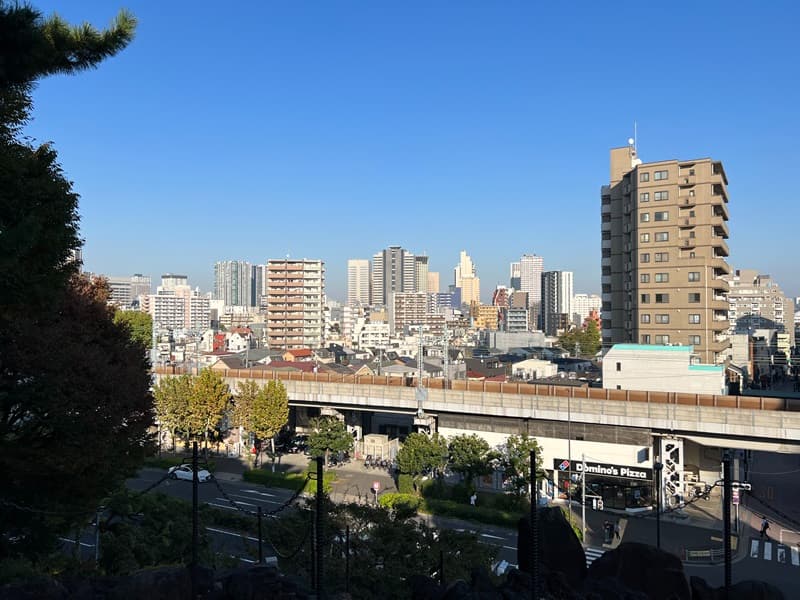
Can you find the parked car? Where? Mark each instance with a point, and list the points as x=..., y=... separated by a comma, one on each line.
x=185, y=472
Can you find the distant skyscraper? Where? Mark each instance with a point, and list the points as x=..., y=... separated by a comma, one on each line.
x=467, y=280
x=421, y=274
x=530, y=281
x=514, y=276
x=556, y=300
x=140, y=286
x=433, y=282
x=358, y=282
x=170, y=281
x=258, y=285
x=393, y=270
x=233, y=282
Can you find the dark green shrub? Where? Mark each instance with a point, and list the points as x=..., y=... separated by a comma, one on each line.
x=290, y=481
x=405, y=484
x=405, y=505
x=481, y=514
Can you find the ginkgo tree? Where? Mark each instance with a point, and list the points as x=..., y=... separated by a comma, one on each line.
x=171, y=400
x=209, y=401
x=261, y=410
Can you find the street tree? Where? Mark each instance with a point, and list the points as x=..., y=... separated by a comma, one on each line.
x=515, y=461
x=422, y=454
x=581, y=340
x=67, y=369
x=139, y=324
x=243, y=402
x=208, y=404
x=172, y=399
x=469, y=456
x=270, y=412
x=328, y=435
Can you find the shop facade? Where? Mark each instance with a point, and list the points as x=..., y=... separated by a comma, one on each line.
x=608, y=485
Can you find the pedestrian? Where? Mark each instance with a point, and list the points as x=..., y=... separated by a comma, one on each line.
x=764, y=527
x=473, y=499
x=616, y=530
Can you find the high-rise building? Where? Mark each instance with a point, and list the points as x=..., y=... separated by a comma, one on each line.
x=120, y=288
x=233, y=282
x=583, y=305
x=556, y=300
x=467, y=279
x=514, y=276
x=393, y=270
x=170, y=282
x=258, y=286
x=531, y=267
x=421, y=274
x=757, y=302
x=295, y=303
x=358, y=282
x=140, y=286
x=664, y=226
x=433, y=282
x=177, y=306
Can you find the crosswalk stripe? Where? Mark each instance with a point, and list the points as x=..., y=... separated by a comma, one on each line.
x=796, y=557
x=767, y=550
x=592, y=554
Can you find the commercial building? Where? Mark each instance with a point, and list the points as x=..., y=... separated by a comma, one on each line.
x=421, y=274
x=295, y=303
x=531, y=267
x=259, y=287
x=433, y=282
x=358, y=282
x=233, y=282
x=466, y=279
x=661, y=369
x=393, y=270
x=663, y=237
x=556, y=300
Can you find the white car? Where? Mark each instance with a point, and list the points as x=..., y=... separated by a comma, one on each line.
x=185, y=472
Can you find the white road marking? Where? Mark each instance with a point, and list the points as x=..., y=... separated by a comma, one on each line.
x=592, y=554
x=259, y=499
x=492, y=537
x=767, y=550
x=237, y=502
x=85, y=545
x=232, y=533
x=228, y=506
x=259, y=493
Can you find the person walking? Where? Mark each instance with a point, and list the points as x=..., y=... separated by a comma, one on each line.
x=764, y=527
x=473, y=499
x=616, y=529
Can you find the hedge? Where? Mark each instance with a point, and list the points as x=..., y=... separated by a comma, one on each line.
x=400, y=501
x=405, y=483
x=289, y=481
x=481, y=514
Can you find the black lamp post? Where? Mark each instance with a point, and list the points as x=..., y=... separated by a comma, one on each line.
x=658, y=467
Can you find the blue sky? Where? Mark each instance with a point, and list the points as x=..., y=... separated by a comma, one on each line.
x=333, y=129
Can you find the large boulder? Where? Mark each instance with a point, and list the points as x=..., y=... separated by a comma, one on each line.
x=560, y=551
x=744, y=590
x=638, y=569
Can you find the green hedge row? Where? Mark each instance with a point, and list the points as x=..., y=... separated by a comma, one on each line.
x=481, y=514
x=289, y=481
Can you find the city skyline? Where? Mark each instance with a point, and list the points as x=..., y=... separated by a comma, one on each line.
x=329, y=119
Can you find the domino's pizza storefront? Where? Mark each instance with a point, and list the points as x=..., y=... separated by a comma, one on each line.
x=620, y=487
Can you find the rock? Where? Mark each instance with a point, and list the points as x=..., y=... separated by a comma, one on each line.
x=639, y=568
x=743, y=590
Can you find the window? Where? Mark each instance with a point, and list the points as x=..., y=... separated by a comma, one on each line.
x=660, y=195
x=645, y=258
x=662, y=339
x=694, y=298
x=694, y=275
x=646, y=338
x=645, y=298
x=645, y=237
x=644, y=278
x=662, y=277
x=644, y=318
x=691, y=234
x=694, y=339
x=662, y=216
x=606, y=218
x=660, y=175
x=662, y=236
x=644, y=197
x=644, y=217
x=694, y=319
x=644, y=176
x=662, y=298
x=662, y=319
x=619, y=366
x=606, y=235
x=662, y=256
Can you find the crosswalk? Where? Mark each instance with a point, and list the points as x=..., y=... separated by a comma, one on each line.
x=770, y=550
x=592, y=554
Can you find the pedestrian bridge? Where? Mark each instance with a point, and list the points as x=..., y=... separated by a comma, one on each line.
x=738, y=421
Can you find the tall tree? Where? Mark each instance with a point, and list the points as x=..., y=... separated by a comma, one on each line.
x=210, y=400
x=172, y=400
x=74, y=400
x=421, y=454
x=243, y=403
x=469, y=456
x=138, y=323
x=515, y=460
x=328, y=435
x=270, y=411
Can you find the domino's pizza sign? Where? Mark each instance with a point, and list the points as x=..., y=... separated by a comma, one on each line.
x=564, y=465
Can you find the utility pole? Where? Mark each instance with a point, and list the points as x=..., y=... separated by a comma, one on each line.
x=658, y=467
x=583, y=499
x=195, y=520
x=534, y=548
x=260, y=542
x=726, y=517
x=319, y=526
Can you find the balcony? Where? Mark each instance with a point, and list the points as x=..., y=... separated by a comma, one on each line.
x=720, y=226
x=720, y=246
x=718, y=284
x=720, y=266
x=688, y=243
x=687, y=221
x=718, y=302
x=688, y=201
x=720, y=208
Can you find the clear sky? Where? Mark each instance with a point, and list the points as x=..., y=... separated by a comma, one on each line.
x=334, y=129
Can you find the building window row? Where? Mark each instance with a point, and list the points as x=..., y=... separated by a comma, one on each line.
x=660, y=175
x=662, y=257
x=662, y=236
x=662, y=277
x=661, y=196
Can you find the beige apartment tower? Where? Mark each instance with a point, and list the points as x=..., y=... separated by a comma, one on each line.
x=664, y=231
x=295, y=300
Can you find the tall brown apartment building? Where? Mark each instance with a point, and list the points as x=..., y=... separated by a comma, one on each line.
x=664, y=231
x=295, y=300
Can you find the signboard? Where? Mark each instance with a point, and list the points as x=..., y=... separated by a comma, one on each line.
x=735, y=497
x=376, y=486
x=608, y=470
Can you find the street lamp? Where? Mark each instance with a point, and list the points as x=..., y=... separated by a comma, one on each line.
x=658, y=467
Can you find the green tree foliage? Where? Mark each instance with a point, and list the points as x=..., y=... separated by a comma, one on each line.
x=587, y=337
x=328, y=435
x=469, y=456
x=243, y=402
x=422, y=454
x=172, y=398
x=271, y=411
x=140, y=531
x=208, y=403
x=515, y=460
x=139, y=324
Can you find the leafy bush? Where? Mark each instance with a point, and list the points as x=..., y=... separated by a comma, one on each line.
x=229, y=519
x=405, y=484
x=481, y=514
x=400, y=502
x=289, y=481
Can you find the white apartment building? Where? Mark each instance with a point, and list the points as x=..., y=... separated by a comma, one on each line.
x=467, y=280
x=358, y=280
x=370, y=335
x=179, y=308
x=393, y=270
x=531, y=267
x=582, y=305
x=757, y=302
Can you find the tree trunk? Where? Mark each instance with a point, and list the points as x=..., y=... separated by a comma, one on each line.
x=327, y=455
